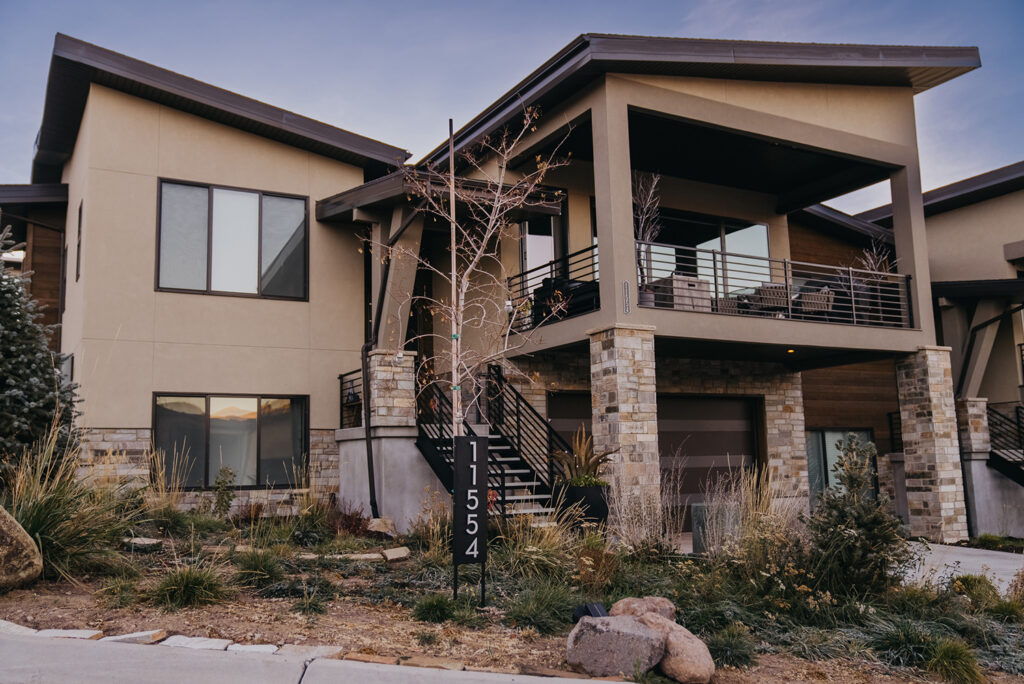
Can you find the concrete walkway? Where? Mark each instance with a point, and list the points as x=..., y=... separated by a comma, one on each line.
x=943, y=561
x=43, y=660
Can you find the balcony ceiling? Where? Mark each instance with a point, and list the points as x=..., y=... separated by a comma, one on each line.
x=798, y=176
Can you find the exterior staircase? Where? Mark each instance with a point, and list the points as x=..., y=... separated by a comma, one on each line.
x=1006, y=432
x=520, y=442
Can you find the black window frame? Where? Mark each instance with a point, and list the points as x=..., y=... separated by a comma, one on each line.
x=210, y=187
x=824, y=445
x=207, y=485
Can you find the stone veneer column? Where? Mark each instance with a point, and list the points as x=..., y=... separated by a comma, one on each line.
x=975, y=446
x=624, y=403
x=392, y=385
x=935, y=493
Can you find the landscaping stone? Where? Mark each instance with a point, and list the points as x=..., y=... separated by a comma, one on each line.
x=641, y=606
x=364, y=557
x=70, y=633
x=150, y=637
x=614, y=645
x=224, y=549
x=371, y=658
x=306, y=556
x=536, y=671
x=687, y=659
x=199, y=643
x=253, y=648
x=310, y=652
x=434, y=662
x=142, y=544
x=396, y=554
x=20, y=560
x=384, y=526
x=14, y=629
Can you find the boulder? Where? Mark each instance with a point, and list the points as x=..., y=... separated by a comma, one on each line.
x=641, y=606
x=20, y=560
x=618, y=645
x=382, y=526
x=396, y=554
x=686, y=659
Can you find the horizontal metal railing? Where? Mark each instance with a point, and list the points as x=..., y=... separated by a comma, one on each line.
x=693, y=279
x=351, y=399
x=559, y=289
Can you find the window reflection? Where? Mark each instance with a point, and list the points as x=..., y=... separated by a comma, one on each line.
x=233, y=438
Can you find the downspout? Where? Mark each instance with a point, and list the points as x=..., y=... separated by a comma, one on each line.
x=364, y=354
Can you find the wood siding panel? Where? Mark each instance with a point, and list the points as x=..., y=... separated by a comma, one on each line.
x=42, y=257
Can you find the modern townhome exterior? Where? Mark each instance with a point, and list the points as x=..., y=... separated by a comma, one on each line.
x=220, y=274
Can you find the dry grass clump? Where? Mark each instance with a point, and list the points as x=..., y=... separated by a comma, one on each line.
x=528, y=549
x=76, y=523
x=432, y=531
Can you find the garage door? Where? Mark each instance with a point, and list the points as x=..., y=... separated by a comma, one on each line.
x=701, y=439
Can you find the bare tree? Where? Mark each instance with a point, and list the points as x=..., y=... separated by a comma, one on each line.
x=483, y=206
x=646, y=218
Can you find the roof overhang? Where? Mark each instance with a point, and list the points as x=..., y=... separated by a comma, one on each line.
x=592, y=55
x=835, y=222
x=363, y=204
x=978, y=188
x=76, y=65
x=19, y=202
x=1011, y=289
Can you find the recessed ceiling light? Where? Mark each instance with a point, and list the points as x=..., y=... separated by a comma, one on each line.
x=791, y=351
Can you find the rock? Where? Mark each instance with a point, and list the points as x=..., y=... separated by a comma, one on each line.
x=70, y=633
x=383, y=526
x=253, y=648
x=141, y=544
x=371, y=658
x=614, y=645
x=13, y=629
x=435, y=663
x=311, y=652
x=306, y=556
x=150, y=637
x=199, y=643
x=20, y=560
x=364, y=557
x=686, y=659
x=647, y=604
x=396, y=554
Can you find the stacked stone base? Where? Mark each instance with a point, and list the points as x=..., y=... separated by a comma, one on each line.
x=123, y=454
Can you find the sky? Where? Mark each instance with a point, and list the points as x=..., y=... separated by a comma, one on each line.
x=396, y=71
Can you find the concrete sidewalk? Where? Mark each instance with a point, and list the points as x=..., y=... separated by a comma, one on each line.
x=44, y=660
x=942, y=561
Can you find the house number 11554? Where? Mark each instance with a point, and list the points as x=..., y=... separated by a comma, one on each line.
x=469, y=502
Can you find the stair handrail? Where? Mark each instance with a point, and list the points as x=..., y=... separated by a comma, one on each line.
x=1006, y=434
x=443, y=431
x=524, y=437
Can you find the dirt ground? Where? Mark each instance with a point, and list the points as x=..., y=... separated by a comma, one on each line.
x=386, y=629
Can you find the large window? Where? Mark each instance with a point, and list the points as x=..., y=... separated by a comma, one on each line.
x=262, y=439
x=227, y=241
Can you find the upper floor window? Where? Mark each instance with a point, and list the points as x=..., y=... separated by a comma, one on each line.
x=227, y=241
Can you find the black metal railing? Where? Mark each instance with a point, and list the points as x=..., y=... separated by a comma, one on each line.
x=351, y=399
x=1006, y=431
x=1020, y=354
x=519, y=423
x=436, y=443
x=554, y=291
x=895, y=431
x=693, y=279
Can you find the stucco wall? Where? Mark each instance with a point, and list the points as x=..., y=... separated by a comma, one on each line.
x=130, y=341
x=989, y=225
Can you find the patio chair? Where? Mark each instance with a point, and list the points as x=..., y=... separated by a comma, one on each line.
x=771, y=296
x=817, y=303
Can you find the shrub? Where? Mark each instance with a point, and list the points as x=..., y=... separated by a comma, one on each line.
x=76, y=523
x=526, y=551
x=120, y=592
x=257, y=568
x=35, y=403
x=954, y=662
x=432, y=531
x=596, y=565
x=248, y=515
x=992, y=542
x=433, y=608
x=189, y=585
x=547, y=608
x=170, y=521
x=857, y=547
x=223, y=492
x=311, y=604
x=426, y=638
x=733, y=646
x=978, y=588
x=350, y=519
x=1007, y=610
x=904, y=643
x=300, y=588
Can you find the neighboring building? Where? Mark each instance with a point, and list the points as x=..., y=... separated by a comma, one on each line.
x=729, y=340
x=976, y=258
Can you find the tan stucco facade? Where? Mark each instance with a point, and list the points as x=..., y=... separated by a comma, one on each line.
x=129, y=340
x=967, y=243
